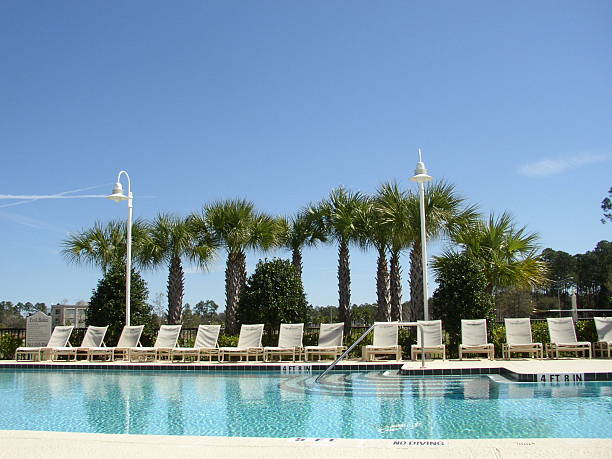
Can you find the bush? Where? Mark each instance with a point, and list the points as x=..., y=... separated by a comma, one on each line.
x=406, y=338
x=498, y=337
x=539, y=332
x=273, y=295
x=228, y=341
x=461, y=294
x=107, y=305
x=350, y=340
x=8, y=346
x=586, y=331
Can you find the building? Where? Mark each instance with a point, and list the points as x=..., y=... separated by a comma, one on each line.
x=64, y=314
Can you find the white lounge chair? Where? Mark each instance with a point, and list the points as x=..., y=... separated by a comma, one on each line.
x=205, y=345
x=290, y=337
x=165, y=343
x=130, y=337
x=519, y=340
x=59, y=338
x=249, y=344
x=604, y=335
x=474, y=338
x=94, y=337
x=330, y=342
x=563, y=337
x=431, y=342
x=384, y=342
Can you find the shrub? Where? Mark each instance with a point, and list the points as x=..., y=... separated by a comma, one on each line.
x=273, y=295
x=406, y=338
x=498, y=338
x=107, y=305
x=539, y=332
x=228, y=340
x=461, y=294
x=586, y=331
x=350, y=340
x=8, y=346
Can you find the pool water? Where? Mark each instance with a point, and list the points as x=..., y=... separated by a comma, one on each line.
x=346, y=405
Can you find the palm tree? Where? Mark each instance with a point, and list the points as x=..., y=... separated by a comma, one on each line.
x=170, y=239
x=300, y=231
x=339, y=215
x=445, y=213
x=394, y=208
x=507, y=254
x=374, y=232
x=104, y=245
x=237, y=226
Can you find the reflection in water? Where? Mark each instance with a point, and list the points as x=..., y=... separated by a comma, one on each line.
x=357, y=405
x=256, y=407
x=392, y=411
x=122, y=406
x=348, y=416
x=170, y=390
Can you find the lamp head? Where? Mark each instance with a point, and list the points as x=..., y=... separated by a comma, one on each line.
x=117, y=195
x=420, y=174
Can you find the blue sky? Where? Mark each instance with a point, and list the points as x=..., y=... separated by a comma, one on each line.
x=279, y=102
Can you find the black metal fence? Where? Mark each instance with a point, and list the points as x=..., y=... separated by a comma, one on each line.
x=187, y=334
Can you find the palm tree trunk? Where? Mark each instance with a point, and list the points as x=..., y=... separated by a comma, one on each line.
x=396, y=286
x=383, y=312
x=175, y=290
x=296, y=260
x=235, y=278
x=416, y=283
x=344, y=286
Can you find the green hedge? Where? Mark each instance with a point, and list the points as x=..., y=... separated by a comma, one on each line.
x=8, y=346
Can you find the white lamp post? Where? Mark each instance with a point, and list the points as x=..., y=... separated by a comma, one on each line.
x=421, y=176
x=118, y=196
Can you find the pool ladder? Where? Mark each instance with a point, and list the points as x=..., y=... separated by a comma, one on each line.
x=365, y=333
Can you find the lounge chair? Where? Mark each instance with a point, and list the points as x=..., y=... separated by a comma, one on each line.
x=94, y=337
x=59, y=338
x=384, y=342
x=474, y=338
x=130, y=337
x=330, y=342
x=431, y=342
x=563, y=337
x=167, y=336
x=604, y=335
x=519, y=340
x=205, y=345
x=249, y=344
x=290, y=338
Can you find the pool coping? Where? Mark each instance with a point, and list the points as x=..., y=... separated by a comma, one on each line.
x=515, y=370
x=44, y=444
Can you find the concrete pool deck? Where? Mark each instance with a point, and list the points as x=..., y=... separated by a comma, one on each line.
x=34, y=445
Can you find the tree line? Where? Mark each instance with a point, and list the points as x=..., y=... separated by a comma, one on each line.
x=587, y=274
x=387, y=221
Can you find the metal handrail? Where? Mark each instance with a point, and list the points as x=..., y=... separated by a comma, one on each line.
x=345, y=353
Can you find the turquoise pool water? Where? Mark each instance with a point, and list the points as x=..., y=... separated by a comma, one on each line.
x=347, y=405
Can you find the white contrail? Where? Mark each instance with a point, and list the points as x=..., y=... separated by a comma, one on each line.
x=32, y=197
x=62, y=195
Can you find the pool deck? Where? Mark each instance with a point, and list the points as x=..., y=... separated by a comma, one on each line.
x=34, y=445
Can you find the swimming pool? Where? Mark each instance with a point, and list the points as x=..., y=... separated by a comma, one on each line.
x=260, y=404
